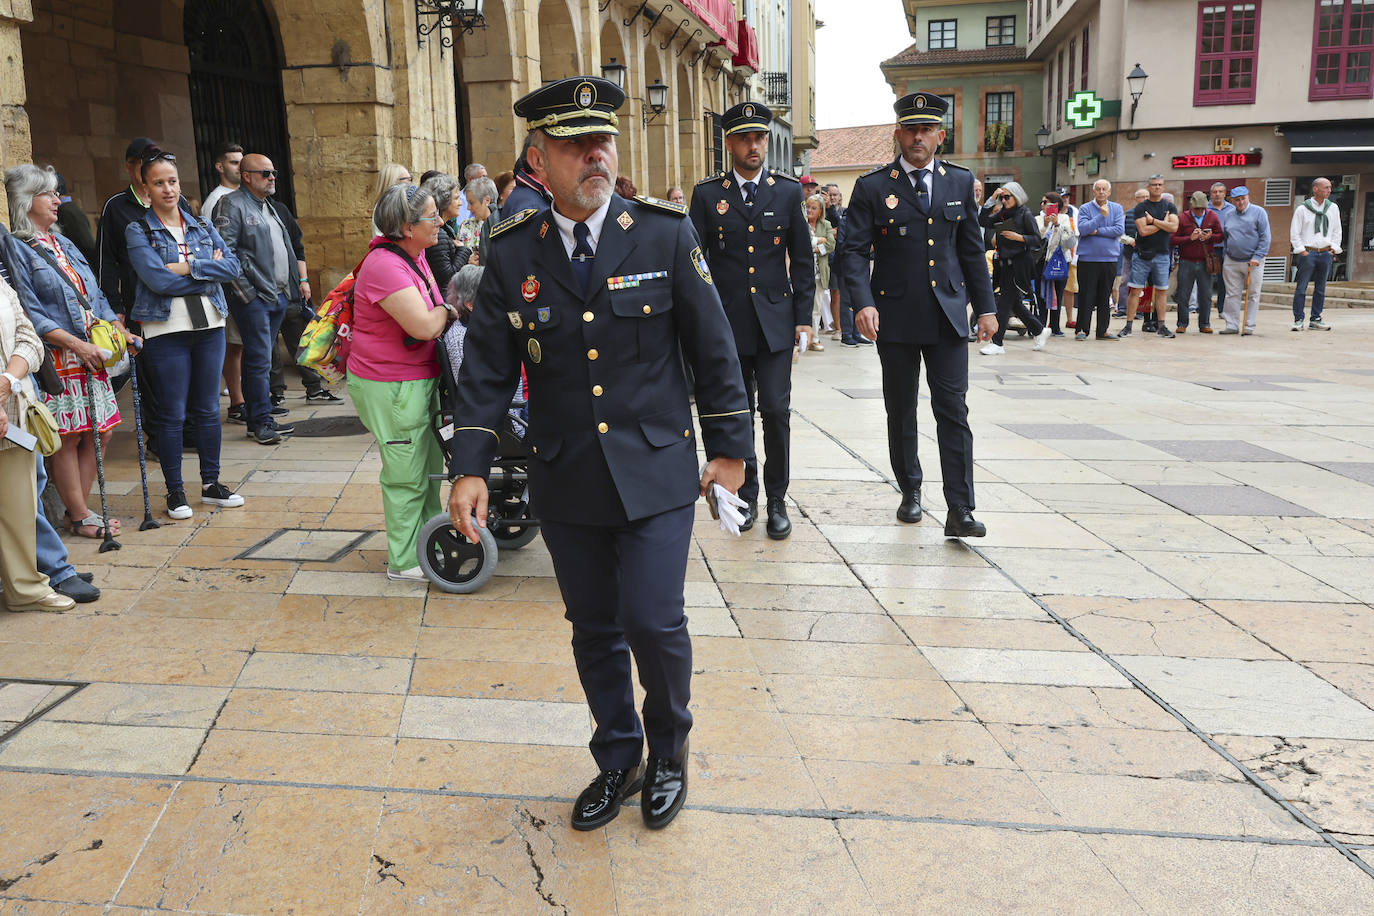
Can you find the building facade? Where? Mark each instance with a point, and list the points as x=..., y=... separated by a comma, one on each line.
x=974, y=55
x=845, y=153
x=1272, y=94
x=332, y=90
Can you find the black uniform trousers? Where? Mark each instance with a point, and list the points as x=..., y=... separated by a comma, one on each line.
x=1094, y=295
x=623, y=589
x=947, y=376
x=768, y=383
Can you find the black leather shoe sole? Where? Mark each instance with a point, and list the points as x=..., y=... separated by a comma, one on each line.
x=608, y=814
x=751, y=515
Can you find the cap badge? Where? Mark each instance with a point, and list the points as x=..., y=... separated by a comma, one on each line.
x=586, y=95
x=536, y=354
x=625, y=220
x=891, y=201
x=748, y=111
x=722, y=207
x=920, y=101
x=514, y=319
x=530, y=288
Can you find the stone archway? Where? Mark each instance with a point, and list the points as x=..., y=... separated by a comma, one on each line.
x=660, y=136
x=495, y=65
x=560, y=50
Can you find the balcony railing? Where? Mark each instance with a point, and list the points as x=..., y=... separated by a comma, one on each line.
x=777, y=88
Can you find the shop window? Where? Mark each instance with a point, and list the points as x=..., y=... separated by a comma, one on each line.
x=947, y=125
x=943, y=34
x=1227, y=53
x=1085, y=57
x=1342, y=48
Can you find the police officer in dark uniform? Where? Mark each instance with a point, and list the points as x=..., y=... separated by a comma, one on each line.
x=751, y=220
x=601, y=299
x=920, y=217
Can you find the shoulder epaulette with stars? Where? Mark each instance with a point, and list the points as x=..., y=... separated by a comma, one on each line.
x=873, y=171
x=955, y=165
x=665, y=205
x=513, y=221
x=792, y=178
x=709, y=178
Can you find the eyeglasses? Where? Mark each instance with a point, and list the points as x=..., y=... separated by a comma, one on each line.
x=427, y=219
x=406, y=178
x=265, y=173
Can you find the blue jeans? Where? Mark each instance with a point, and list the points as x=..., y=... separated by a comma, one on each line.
x=259, y=322
x=1314, y=266
x=185, y=371
x=1190, y=274
x=52, y=553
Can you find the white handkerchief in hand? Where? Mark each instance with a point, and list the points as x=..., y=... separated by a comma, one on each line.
x=803, y=342
x=728, y=505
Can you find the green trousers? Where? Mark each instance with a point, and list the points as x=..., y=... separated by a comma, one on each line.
x=398, y=415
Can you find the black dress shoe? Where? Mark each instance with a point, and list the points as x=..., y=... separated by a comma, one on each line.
x=910, y=509
x=751, y=515
x=599, y=803
x=77, y=590
x=86, y=577
x=960, y=523
x=665, y=789
x=779, y=525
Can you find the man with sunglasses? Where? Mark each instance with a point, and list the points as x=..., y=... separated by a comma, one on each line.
x=271, y=283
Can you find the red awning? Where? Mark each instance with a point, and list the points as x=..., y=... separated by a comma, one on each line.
x=748, y=53
x=719, y=17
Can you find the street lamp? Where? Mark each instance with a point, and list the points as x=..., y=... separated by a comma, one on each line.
x=615, y=73
x=465, y=15
x=657, y=99
x=1136, y=81
x=1042, y=139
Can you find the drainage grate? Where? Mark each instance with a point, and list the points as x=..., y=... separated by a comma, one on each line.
x=316, y=546
x=23, y=701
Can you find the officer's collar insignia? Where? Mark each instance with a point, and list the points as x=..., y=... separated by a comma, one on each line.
x=725, y=183
x=699, y=261
x=586, y=95
x=625, y=220
x=529, y=289
x=891, y=201
x=536, y=354
x=771, y=181
x=892, y=174
x=514, y=319
x=941, y=170
x=722, y=206
x=543, y=315
x=543, y=229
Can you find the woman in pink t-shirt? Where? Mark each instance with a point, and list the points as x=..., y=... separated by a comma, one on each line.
x=392, y=370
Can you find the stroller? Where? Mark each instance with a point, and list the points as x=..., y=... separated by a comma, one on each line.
x=450, y=560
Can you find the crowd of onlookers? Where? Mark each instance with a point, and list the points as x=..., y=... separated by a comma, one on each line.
x=201, y=295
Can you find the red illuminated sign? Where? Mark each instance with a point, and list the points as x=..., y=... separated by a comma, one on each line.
x=1216, y=160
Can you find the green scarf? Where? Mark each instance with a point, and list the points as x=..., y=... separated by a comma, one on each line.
x=1320, y=222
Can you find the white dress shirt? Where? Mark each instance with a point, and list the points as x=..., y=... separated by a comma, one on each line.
x=925, y=173
x=594, y=224
x=740, y=180
x=1303, y=233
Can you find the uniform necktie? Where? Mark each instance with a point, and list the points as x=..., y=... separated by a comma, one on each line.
x=582, y=255
x=918, y=179
x=749, y=187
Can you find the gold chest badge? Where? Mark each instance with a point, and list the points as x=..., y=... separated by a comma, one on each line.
x=529, y=289
x=536, y=354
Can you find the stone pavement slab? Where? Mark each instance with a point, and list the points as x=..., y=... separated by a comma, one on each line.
x=1236, y=500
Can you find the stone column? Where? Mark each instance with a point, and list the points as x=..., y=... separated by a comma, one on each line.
x=16, y=144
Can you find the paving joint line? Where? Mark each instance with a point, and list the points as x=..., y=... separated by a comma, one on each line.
x=826, y=814
x=1264, y=787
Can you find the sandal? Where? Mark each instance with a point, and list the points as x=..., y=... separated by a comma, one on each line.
x=92, y=522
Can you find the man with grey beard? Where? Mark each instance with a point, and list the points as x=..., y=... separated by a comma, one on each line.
x=601, y=299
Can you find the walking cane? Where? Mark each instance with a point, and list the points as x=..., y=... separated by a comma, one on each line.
x=148, y=522
x=109, y=543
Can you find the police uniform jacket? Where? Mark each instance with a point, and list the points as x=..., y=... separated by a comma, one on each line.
x=610, y=435
x=528, y=194
x=748, y=250
x=915, y=255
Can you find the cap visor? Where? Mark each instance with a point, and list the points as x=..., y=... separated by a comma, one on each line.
x=749, y=127
x=920, y=119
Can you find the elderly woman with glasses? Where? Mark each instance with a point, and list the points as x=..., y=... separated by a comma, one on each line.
x=392, y=369
x=54, y=280
x=444, y=256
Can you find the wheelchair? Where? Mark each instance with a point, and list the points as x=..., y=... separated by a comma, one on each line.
x=447, y=558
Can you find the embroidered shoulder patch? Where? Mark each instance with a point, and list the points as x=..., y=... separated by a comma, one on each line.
x=699, y=262
x=665, y=205
x=513, y=221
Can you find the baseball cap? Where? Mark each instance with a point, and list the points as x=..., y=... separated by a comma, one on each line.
x=137, y=146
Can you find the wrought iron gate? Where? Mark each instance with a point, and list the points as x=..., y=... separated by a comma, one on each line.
x=236, y=87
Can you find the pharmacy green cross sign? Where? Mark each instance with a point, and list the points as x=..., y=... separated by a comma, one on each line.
x=1084, y=109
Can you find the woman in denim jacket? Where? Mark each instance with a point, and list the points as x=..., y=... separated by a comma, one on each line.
x=49, y=271
x=180, y=262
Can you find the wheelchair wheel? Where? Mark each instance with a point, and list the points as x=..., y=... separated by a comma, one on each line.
x=451, y=561
x=512, y=537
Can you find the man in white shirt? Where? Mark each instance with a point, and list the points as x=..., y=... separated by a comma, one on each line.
x=228, y=158
x=1316, y=238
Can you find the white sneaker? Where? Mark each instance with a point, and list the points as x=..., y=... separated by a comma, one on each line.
x=1299, y=325
x=1040, y=339
x=217, y=494
x=993, y=349
x=414, y=574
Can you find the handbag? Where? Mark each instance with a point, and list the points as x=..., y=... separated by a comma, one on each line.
x=1056, y=265
x=38, y=420
x=49, y=382
x=1213, y=262
x=103, y=334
